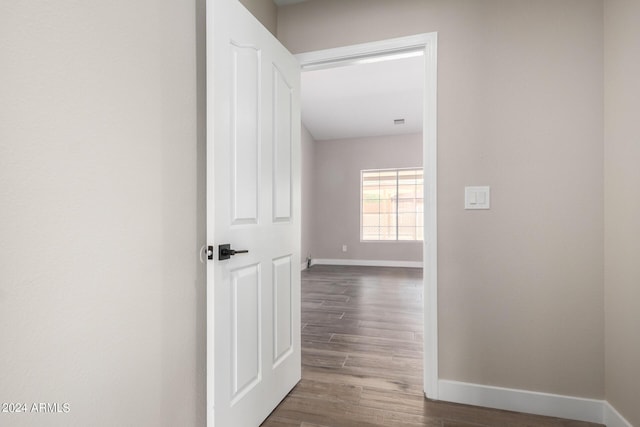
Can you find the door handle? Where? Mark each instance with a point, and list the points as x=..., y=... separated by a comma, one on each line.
x=225, y=252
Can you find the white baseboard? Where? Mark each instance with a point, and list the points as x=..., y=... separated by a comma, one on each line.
x=553, y=405
x=367, y=263
x=612, y=418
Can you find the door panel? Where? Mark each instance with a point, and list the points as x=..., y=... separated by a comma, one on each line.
x=253, y=203
x=245, y=133
x=282, y=104
x=246, y=317
x=283, y=309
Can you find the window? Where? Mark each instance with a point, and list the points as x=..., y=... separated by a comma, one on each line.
x=392, y=204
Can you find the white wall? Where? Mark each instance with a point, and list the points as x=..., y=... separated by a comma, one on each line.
x=101, y=217
x=336, y=195
x=622, y=206
x=520, y=108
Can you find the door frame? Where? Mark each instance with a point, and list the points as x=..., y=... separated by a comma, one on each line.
x=428, y=43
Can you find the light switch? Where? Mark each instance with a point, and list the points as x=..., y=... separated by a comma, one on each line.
x=482, y=198
x=477, y=197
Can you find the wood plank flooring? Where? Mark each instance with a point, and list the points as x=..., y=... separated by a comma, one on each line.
x=362, y=358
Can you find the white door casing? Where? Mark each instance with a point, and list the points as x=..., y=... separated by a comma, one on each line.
x=428, y=44
x=253, y=203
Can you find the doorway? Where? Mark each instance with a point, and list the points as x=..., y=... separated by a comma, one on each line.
x=426, y=45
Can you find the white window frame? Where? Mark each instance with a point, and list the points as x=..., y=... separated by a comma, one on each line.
x=397, y=212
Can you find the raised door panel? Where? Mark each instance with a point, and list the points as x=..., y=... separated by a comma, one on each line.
x=282, y=309
x=245, y=134
x=282, y=145
x=246, y=330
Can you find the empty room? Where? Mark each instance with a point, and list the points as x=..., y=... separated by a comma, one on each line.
x=210, y=215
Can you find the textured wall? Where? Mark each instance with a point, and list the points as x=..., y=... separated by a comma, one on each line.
x=520, y=108
x=101, y=214
x=336, y=195
x=622, y=206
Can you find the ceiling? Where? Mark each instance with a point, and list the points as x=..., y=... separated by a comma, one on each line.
x=363, y=100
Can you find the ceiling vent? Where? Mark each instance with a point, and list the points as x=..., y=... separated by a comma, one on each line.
x=398, y=122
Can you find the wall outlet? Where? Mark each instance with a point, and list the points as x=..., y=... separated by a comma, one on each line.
x=344, y=248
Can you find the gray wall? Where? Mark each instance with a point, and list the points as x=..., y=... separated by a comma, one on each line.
x=265, y=11
x=520, y=108
x=336, y=195
x=622, y=206
x=307, y=174
x=102, y=299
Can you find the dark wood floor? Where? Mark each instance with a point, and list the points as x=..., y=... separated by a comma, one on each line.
x=362, y=357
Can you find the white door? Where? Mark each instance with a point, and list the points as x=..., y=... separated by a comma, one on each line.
x=253, y=203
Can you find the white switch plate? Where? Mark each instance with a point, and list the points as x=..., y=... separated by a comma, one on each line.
x=477, y=197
